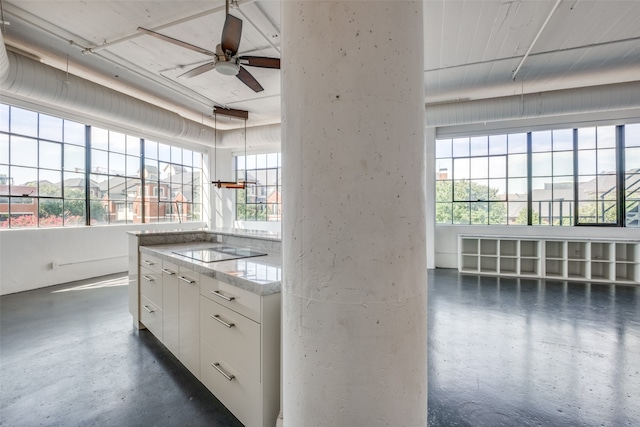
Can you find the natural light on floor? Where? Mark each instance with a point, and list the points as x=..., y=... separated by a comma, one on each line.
x=118, y=281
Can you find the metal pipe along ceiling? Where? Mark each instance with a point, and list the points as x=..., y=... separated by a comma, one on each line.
x=619, y=96
x=36, y=82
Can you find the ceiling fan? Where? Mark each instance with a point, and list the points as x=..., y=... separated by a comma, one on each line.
x=225, y=58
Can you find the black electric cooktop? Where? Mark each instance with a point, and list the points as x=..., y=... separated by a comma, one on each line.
x=220, y=253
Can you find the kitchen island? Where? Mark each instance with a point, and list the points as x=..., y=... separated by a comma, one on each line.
x=212, y=297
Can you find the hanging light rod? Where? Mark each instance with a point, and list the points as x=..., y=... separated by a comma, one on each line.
x=238, y=114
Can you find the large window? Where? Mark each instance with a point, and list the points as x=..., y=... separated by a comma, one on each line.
x=260, y=200
x=560, y=177
x=56, y=172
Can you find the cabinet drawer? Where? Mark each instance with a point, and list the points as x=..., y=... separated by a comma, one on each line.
x=240, y=394
x=151, y=262
x=151, y=286
x=234, y=336
x=151, y=317
x=239, y=300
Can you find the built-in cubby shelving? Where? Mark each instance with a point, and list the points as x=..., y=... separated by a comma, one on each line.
x=609, y=261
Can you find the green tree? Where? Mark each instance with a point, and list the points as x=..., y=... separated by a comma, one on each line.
x=468, y=202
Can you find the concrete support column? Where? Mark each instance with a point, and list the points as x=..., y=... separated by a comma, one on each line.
x=354, y=250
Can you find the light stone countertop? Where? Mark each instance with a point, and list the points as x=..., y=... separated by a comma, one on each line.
x=261, y=275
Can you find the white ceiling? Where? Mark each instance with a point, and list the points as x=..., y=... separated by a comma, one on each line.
x=472, y=48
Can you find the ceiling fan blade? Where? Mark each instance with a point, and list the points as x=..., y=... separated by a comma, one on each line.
x=176, y=41
x=260, y=61
x=198, y=70
x=231, y=33
x=246, y=78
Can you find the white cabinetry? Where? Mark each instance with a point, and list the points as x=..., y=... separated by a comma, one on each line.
x=170, y=307
x=189, y=320
x=239, y=350
x=609, y=261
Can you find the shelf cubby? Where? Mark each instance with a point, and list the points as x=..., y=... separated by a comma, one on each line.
x=556, y=268
x=627, y=252
x=488, y=264
x=601, y=251
x=601, y=271
x=529, y=267
x=469, y=263
x=509, y=248
x=469, y=246
x=529, y=248
x=508, y=265
x=488, y=247
x=627, y=272
x=577, y=250
x=555, y=249
x=577, y=269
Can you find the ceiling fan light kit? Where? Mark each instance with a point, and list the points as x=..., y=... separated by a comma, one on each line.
x=227, y=68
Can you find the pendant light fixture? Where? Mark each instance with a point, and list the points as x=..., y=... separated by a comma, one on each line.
x=239, y=114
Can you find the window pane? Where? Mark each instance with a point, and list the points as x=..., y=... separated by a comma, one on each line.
x=23, y=181
x=50, y=128
x=541, y=164
x=563, y=139
x=50, y=155
x=632, y=158
x=251, y=161
x=461, y=190
x=133, y=146
x=4, y=149
x=74, y=185
x=517, y=165
x=461, y=213
x=498, y=213
x=607, y=161
x=518, y=187
x=50, y=213
x=187, y=157
x=24, y=122
x=74, y=212
x=176, y=154
x=479, y=146
x=498, y=167
x=74, y=158
x=498, y=144
x=4, y=180
x=479, y=167
x=632, y=135
x=460, y=147
x=541, y=141
x=563, y=163
x=606, y=137
x=444, y=213
x=587, y=162
x=517, y=142
x=443, y=168
x=479, y=212
x=261, y=161
x=586, y=138
x=117, y=164
x=461, y=168
x=99, y=138
x=117, y=142
x=23, y=212
x=24, y=151
x=99, y=161
x=272, y=160
x=150, y=149
x=74, y=133
x=497, y=189
x=133, y=166
x=50, y=183
x=164, y=152
x=4, y=118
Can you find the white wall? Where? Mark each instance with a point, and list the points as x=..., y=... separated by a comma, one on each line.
x=446, y=250
x=39, y=257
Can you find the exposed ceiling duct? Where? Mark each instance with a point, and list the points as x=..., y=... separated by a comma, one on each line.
x=620, y=96
x=32, y=81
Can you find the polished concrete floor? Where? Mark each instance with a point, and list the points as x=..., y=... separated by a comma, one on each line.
x=502, y=352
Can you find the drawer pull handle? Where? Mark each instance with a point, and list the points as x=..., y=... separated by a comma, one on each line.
x=219, y=369
x=149, y=278
x=186, y=279
x=169, y=272
x=217, y=317
x=146, y=261
x=224, y=297
x=146, y=307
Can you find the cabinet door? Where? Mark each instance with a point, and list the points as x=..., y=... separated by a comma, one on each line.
x=170, y=307
x=190, y=320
